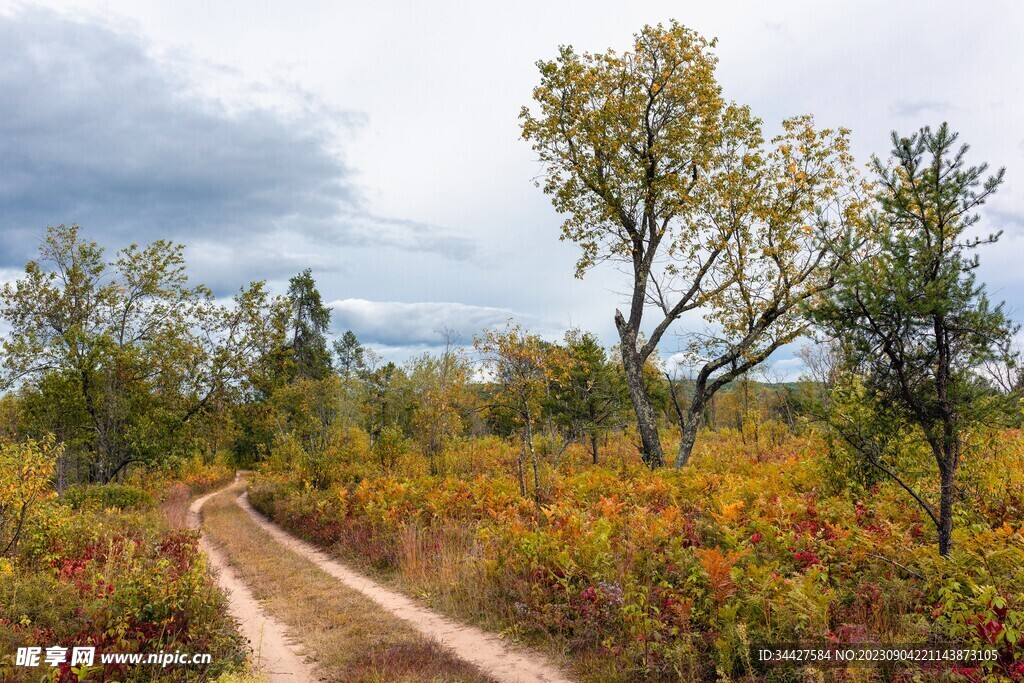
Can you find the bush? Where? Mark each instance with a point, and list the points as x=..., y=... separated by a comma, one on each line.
x=345, y=458
x=25, y=473
x=104, y=496
x=121, y=581
x=390, y=446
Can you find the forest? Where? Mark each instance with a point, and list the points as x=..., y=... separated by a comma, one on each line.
x=633, y=517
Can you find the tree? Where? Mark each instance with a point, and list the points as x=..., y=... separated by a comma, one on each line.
x=590, y=398
x=26, y=471
x=916, y=324
x=525, y=369
x=109, y=336
x=657, y=171
x=123, y=357
x=310, y=320
x=440, y=393
x=258, y=323
x=350, y=354
x=263, y=367
x=352, y=359
x=385, y=399
x=307, y=414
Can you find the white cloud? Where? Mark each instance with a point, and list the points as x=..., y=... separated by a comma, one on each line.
x=420, y=324
x=125, y=145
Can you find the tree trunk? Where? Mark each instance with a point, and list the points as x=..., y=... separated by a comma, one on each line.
x=689, y=429
x=593, y=447
x=947, y=492
x=522, y=478
x=533, y=460
x=646, y=422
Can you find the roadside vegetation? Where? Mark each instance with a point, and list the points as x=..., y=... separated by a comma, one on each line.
x=111, y=567
x=680, y=575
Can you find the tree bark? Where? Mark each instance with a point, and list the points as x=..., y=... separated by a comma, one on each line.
x=689, y=428
x=947, y=492
x=533, y=459
x=646, y=422
x=633, y=364
x=520, y=472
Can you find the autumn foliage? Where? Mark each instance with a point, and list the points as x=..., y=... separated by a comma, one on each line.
x=100, y=567
x=643, y=575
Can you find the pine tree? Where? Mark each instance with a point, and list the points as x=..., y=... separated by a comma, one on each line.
x=310, y=320
x=916, y=323
x=350, y=354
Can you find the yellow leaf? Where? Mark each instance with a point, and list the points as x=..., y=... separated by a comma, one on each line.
x=732, y=511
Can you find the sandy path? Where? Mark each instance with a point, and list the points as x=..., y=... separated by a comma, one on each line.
x=491, y=654
x=274, y=658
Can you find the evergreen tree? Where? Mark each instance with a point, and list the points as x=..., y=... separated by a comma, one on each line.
x=916, y=324
x=350, y=354
x=593, y=398
x=310, y=320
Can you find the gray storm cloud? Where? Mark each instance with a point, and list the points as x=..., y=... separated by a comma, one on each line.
x=380, y=147
x=96, y=131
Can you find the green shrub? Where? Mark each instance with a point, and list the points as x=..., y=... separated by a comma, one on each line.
x=107, y=496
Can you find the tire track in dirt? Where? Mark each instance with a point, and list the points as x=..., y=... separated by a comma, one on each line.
x=274, y=657
x=494, y=656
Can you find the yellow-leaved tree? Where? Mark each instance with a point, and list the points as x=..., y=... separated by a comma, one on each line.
x=654, y=169
x=524, y=371
x=26, y=473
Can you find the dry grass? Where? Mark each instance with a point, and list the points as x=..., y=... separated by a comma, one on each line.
x=349, y=637
x=175, y=504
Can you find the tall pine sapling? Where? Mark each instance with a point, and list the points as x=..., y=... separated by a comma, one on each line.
x=916, y=323
x=310, y=320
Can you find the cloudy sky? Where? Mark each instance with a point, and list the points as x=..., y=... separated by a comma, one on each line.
x=378, y=143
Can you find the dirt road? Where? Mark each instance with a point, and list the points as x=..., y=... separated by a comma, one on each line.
x=492, y=655
x=273, y=656
x=277, y=658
